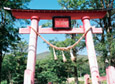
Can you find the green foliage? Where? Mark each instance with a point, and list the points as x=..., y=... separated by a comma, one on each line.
x=4, y=82
x=51, y=71
x=73, y=4
x=47, y=24
x=9, y=35
x=83, y=66
x=19, y=4
x=8, y=32
x=14, y=64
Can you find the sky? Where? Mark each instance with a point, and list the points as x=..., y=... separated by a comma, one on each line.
x=45, y=4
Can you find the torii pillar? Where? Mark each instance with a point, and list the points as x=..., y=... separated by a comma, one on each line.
x=91, y=50
x=31, y=61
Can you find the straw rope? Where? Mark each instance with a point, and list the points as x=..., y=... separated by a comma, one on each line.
x=62, y=48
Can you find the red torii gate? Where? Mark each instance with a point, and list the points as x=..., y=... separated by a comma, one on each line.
x=36, y=15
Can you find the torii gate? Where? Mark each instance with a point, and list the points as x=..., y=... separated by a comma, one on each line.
x=37, y=15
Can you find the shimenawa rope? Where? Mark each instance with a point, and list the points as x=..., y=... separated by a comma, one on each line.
x=62, y=48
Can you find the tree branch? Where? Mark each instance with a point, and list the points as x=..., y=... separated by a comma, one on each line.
x=97, y=38
x=102, y=4
x=105, y=3
x=111, y=4
x=96, y=21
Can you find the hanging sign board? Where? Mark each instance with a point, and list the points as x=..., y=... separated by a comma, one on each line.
x=61, y=22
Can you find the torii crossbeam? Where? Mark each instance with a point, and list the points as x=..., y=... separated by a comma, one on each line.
x=36, y=15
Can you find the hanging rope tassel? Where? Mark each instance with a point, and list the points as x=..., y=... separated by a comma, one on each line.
x=64, y=58
x=55, y=57
x=72, y=57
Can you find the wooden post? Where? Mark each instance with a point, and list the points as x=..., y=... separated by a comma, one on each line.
x=86, y=79
x=31, y=61
x=110, y=74
x=91, y=51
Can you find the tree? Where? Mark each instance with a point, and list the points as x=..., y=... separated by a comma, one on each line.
x=105, y=45
x=14, y=64
x=8, y=31
x=49, y=70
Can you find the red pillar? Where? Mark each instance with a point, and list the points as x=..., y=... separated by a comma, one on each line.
x=31, y=61
x=91, y=51
x=86, y=79
x=110, y=74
